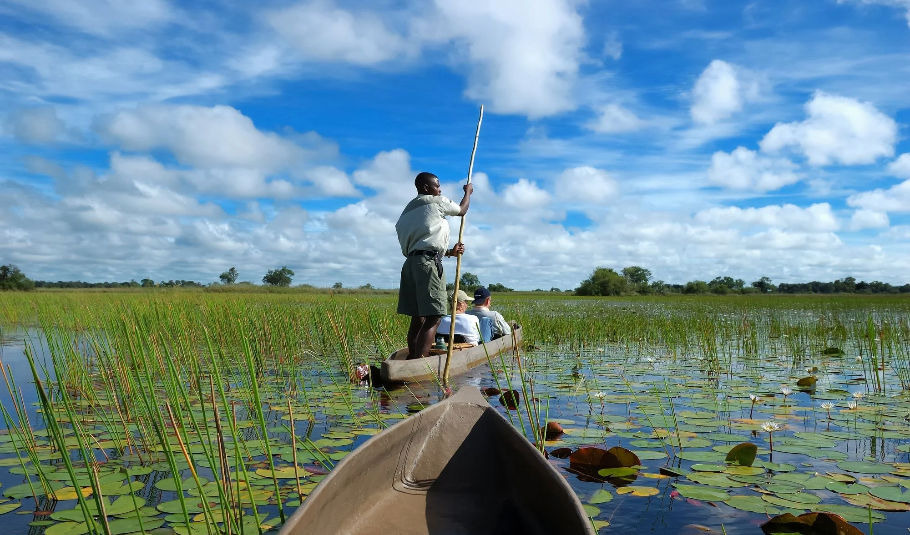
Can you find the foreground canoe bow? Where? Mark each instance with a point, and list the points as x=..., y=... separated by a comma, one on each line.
x=398, y=369
x=455, y=468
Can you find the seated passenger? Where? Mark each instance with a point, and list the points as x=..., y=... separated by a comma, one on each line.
x=467, y=327
x=482, y=300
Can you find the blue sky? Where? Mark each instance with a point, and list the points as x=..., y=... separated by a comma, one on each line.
x=696, y=138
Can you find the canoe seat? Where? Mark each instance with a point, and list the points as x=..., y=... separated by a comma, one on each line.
x=486, y=329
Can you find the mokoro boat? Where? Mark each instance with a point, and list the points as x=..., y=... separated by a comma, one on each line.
x=457, y=467
x=398, y=369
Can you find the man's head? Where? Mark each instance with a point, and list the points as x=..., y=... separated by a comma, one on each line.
x=462, y=301
x=482, y=297
x=427, y=184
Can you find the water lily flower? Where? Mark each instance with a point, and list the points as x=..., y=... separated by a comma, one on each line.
x=599, y=395
x=755, y=399
x=770, y=427
x=828, y=406
x=852, y=405
x=857, y=395
x=786, y=391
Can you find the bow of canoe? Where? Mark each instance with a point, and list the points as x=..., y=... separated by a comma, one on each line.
x=455, y=468
x=398, y=369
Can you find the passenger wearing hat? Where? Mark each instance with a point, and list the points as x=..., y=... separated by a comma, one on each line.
x=467, y=327
x=482, y=300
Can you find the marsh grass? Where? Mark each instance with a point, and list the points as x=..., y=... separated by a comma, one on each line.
x=241, y=388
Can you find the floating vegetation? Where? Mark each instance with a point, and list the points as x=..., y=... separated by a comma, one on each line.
x=202, y=413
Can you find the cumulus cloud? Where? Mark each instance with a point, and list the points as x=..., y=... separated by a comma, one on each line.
x=320, y=31
x=720, y=92
x=586, y=185
x=227, y=153
x=35, y=125
x=863, y=219
x=614, y=118
x=893, y=199
x=219, y=136
x=744, y=169
x=901, y=166
x=837, y=130
x=815, y=218
x=525, y=194
x=522, y=56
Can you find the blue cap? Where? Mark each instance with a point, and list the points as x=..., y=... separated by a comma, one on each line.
x=480, y=295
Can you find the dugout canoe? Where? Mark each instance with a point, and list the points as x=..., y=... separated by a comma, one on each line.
x=397, y=369
x=457, y=467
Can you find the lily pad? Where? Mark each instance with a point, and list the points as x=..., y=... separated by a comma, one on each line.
x=638, y=491
x=891, y=494
x=863, y=467
x=601, y=496
x=753, y=504
x=846, y=488
x=697, y=492
x=742, y=454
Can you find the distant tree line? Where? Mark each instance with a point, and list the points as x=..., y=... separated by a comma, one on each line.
x=470, y=282
x=638, y=280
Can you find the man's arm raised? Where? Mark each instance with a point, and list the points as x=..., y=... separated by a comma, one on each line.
x=466, y=200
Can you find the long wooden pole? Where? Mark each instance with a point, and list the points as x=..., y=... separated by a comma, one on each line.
x=445, y=374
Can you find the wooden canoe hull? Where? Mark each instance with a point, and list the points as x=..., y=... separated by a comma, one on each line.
x=457, y=467
x=396, y=369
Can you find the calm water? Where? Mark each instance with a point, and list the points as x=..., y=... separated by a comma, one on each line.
x=609, y=397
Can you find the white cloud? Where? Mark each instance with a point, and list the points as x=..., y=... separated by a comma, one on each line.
x=901, y=166
x=901, y=4
x=102, y=17
x=613, y=118
x=586, y=185
x=320, y=31
x=35, y=125
x=744, y=169
x=613, y=46
x=525, y=195
x=332, y=181
x=522, y=56
x=219, y=136
x=720, y=92
x=837, y=130
x=893, y=199
x=863, y=219
x=815, y=218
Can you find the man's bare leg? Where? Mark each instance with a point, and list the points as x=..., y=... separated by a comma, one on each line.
x=426, y=335
x=413, y=331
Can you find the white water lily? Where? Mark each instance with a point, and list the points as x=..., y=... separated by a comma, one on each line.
x=857, y=395
x=859, y=359
x=770, y=427
x=786, y=390
x=852, y=405
x=598, y=395
x=754, y=398
x=828, y=405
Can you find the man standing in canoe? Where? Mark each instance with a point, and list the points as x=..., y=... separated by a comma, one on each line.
x=423, y=234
